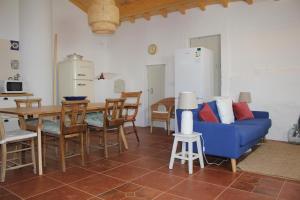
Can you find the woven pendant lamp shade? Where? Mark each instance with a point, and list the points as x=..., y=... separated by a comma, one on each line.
x=103, y=16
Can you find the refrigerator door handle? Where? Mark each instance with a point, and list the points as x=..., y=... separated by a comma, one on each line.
x=81, y=84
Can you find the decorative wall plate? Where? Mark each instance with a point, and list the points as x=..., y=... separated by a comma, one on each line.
x=152, y=48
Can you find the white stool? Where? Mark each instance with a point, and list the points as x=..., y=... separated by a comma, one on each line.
x=183, y=155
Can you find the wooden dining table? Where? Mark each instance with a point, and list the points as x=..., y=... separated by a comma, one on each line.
x=47, y=111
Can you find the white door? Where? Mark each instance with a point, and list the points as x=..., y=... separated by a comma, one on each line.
x=156, y=86
x=213, y=43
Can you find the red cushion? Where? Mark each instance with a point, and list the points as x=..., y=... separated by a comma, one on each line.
x=241, y=111
x=206, y=114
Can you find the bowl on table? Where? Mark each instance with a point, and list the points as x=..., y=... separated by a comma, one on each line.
x=74, y=98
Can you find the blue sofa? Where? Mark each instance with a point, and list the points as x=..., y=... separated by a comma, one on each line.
x=229, y=140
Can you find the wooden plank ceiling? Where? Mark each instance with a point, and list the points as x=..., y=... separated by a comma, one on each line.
x=134, y=9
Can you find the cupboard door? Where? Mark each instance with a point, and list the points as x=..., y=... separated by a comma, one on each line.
x=84, y=71
x=84, y=88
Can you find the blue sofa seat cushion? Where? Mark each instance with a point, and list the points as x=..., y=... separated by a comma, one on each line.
x=264, y=123
x=249, y=133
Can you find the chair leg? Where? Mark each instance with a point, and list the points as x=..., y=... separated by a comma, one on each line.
x=135, y=131
x=82, y=148
x=151, y=126
x=33, y=155
x=62, y=152
x=119, y=140
x=167, y=123
x=3, y=160
x=105, y=143
x=17, y=156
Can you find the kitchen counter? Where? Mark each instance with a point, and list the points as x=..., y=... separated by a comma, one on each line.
x=16, y=94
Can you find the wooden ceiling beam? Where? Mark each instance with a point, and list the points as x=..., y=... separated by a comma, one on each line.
x=249, y=1
x=224, y=3
x=131, y=19
x=202, y=4
x=164, y=12
x=182, y=9
x=147, y=16
x=138, y=8
x=83, y=5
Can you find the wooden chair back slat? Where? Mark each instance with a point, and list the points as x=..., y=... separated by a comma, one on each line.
x=73, y=116
x=136, y=96
x=28, y=103
x=113, y=112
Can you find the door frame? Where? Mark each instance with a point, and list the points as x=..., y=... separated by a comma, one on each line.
x=147, y=119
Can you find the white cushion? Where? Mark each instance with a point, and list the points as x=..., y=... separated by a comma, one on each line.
x=224, y=105
x=16, y=135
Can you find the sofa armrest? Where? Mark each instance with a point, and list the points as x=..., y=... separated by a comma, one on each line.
x=260, y=114
x=219, y=139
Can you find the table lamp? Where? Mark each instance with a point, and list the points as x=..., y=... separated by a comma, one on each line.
x=245, y=97
x=187, y=102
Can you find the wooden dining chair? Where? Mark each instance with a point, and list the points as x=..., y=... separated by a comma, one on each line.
x=165, y=115
x=71, y=125
x=15, y=137
x=110, y=121
x=31, y=122
x=132, y=98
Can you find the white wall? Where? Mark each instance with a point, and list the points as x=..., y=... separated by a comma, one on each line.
x=259, y=48
x=75, y=36
x=9, y=19
x=36, y=47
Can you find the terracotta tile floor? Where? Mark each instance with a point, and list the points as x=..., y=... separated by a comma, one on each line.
x=142, y=173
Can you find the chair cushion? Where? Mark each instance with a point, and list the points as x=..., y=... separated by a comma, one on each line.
x=16, y=135
x=241, y=111
x=52, y=127
x=206, y=114
x=95, y=119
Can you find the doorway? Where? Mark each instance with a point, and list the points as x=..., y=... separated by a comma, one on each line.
x=213, y=43
x=156, y=86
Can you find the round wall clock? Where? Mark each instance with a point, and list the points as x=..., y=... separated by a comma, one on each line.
x=152, y=48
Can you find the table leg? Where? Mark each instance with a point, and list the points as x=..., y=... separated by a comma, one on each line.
x=123, y=137
x=39, y=145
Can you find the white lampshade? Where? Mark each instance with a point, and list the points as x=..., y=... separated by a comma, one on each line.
x=245, y=97
x=187, y=101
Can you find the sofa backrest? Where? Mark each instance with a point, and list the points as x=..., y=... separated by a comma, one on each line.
x=212, y=104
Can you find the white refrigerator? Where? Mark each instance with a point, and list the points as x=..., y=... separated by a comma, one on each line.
x=194, y=72
x=76, y=78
